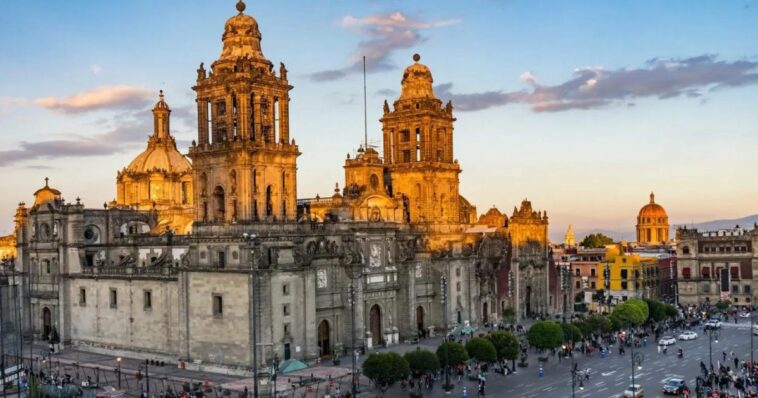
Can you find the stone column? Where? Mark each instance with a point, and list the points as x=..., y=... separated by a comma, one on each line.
x=229, y=117
x=284, y=119
x=243, y=113
x=257, y=117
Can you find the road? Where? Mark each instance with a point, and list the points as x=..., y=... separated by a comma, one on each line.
x=610, y=376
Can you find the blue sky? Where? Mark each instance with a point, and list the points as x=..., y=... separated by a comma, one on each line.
x=583, y=107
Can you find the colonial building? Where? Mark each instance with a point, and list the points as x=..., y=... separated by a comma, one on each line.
x=716, y=265
x=260, y=268
x=652, y=224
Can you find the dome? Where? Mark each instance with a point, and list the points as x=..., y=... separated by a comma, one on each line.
x=46, y=194
x=161, y=104
x=417, y=81
x=162, y=156
x=241, y=38
x=652, y=210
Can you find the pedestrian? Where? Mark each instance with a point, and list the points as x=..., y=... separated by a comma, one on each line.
x=723, y=355
x=659, y=348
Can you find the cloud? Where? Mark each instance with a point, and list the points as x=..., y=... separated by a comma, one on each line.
x=95, y=69
x=383, y=35
x=597, y=87
x=386, y=92
x=106, y=97
x=57, y=149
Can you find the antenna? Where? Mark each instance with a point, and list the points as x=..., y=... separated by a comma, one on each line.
x=365, y=117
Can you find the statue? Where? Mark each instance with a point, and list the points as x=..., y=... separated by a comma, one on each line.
x=449, y=107
x=386, y=107
x=282, y=71
x=201, y=72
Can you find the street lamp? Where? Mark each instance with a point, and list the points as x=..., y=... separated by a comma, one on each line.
x=576, y=378
x=118, y=362
x=351, y=297
x=443, y=281
x=250, y=239
x=713, y=337
x=637, y=358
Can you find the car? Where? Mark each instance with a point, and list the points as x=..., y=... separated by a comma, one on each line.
x=667, y=340
x=755, y=330
x=674, y=386
x=688, y=335
x=744, y=315
x=634, y=391
x=713, y=324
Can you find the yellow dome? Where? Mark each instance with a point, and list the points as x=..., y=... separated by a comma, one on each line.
x=46, y=194
x=652, y=211
x=160, y=155
x=241, y=38
x=417, y=81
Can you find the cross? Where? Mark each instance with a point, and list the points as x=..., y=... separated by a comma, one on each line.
x=46, y=179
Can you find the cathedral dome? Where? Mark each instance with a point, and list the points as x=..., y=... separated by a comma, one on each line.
x=417, y=81
x=161, y=156
x=46, y=194
x=241, y=38
x=652, y=211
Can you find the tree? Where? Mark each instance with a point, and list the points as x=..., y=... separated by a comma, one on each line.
x=481, y=349
x=571, y=332
x=670, y=310
x=642, y=305
x=455, y=352
x=506, y=345
x=627, y=314
x=598, y=324
x=657, y=310
x=599, y=296
x=509, y=314
x=722, y=305
x=545, y=335
x=385, y=369
x=596, y=240
x=422, y=362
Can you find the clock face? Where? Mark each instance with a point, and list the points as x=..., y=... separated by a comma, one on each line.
x=375, y=257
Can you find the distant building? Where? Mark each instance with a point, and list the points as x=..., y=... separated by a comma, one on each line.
x=570, y=239
x=652, y=223
x=717, y=265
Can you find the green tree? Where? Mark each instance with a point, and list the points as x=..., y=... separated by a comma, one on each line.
x=723, y=305
x=598, y=324
x=596, y=241
x=670, y=310
x=422, y=362
x=481, y=349
x=545, y=335
x=455, y=352
x=656, y=309
x=35, y=390
x=385, y=369
x=627, y=314
x=506, y=345
x=642, y=305
x=509, y=314
x=571, y=332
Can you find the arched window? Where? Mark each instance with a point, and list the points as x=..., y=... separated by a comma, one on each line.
x=374, y=182
x=686, y=250
x=220, y=202
x=269, y=203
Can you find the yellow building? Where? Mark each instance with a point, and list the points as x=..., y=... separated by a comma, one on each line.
x=159, y=178
x=652, y=223
x=628, y=275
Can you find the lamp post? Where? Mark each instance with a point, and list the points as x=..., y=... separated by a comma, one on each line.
x=351, y=297
x=637, y=358
x=250, y=238
x=118, y=371
x=713, y=337
x=443, y=282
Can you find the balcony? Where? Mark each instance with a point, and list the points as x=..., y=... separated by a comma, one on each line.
x=161, y=272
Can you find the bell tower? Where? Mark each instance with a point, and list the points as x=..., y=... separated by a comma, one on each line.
x=418, y=149
x=244, y=162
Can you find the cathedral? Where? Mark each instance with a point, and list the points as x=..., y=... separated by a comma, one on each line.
x=201, y=260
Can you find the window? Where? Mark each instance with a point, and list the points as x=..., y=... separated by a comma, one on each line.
x=457, y=286
x=406, y=156
x=686, y=272
x=707, y=288
x=686, y=250
x=578, y=285
x=592, y=272
x=218, y=306
x=83, y=296
x=735, y=289
x=114, y=298
x=286, y=309
x=458, y=271
x=624, y=273
x=624, y=285
x=706, y=273
x=578, y=273
x=286, y=289
x=746, y=289
x=286, y=329
x=221, y=259
x=735, y=271
x=47, y=266
x=592, y=285
x=147, y=300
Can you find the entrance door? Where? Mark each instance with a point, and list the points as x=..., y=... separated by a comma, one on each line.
x=420, y=319
x=375, y=323
x=323, y=338
x=485, y=312
x=47, y=323
x=287, y=353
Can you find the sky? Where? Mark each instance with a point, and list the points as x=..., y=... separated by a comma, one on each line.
x=583, y=107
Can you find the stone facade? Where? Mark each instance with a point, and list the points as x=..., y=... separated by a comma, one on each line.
x=701, y=257
x=294, y=274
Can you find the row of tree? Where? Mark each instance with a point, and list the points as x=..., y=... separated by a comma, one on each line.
x=385, y=369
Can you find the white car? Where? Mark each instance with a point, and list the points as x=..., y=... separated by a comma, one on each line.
x=688, y=335
x=744, y=315
x=634, y=391
x=667, y=340
x=713, y=324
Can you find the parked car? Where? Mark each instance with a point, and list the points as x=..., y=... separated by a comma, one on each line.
x=688, y=335
x=667, y=340
x=634, y=391
x=713, y=324
x=674, y=386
